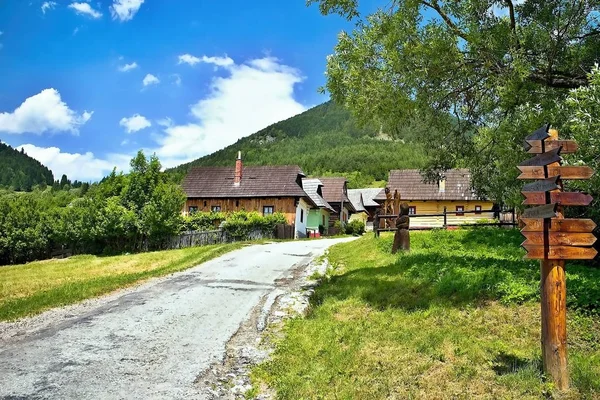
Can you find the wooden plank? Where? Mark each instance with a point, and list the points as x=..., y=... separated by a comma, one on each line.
x=543, y=159
x=539, y=134
x=560, y=252
x=547, y=211
x=562, y=198
x=568, y=146
x=559, y=225
x=542, y=186
x=560, y=239
x=528, y=172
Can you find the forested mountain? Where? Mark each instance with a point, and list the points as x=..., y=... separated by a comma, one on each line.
x=20, y=172
x=325, y=140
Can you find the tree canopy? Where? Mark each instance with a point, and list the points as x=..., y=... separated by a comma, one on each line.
x=499, y=68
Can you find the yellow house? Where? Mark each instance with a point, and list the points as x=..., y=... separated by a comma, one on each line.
x=454, y=193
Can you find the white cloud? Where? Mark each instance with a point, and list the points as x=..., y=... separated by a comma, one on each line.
x=75, y=31
x=499, y=9
x=150, y=80
x=125, y=10
x=83, y=167
x=85, y=9
x=252, y=96
x=135, y=123
x=176, y=79
x=48, y=5
x=219, y=61
x=128, y=67
x=43, y=112
x=188, y=59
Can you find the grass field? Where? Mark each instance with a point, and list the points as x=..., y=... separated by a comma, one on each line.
x=457, y=318
x=32, y=288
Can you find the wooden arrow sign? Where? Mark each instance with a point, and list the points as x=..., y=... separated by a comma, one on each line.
x=562, y=198
x=559, y=225
x=540, y=133
x=547, y=211
x=528, y=172
x=560, y=252
x=559, y=239
x=540, y=160
x=542, y=186
x=568, y=146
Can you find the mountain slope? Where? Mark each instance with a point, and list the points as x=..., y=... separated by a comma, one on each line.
x=21, y=172
x=325, y=140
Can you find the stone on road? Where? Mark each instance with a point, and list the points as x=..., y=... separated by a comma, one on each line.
x=151, y=341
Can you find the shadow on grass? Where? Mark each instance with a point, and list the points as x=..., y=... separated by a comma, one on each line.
x=419, y=280
x=506, y=363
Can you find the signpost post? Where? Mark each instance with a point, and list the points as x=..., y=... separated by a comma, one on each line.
x=553, y=239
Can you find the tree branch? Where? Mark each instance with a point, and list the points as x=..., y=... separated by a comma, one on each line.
x=558, y=80
x=435, y=6
x=513, y=22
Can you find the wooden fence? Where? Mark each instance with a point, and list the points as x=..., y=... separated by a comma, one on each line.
x=447, y=219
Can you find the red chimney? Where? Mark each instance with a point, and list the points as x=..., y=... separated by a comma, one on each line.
x=238, y=170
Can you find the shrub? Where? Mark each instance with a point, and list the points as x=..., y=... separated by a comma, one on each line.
x=203, y=221
x=241, y=223
x=355, y=227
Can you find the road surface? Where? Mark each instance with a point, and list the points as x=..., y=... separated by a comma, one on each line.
x=151, y=341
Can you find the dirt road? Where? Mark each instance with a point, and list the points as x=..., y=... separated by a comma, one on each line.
x=151, y=341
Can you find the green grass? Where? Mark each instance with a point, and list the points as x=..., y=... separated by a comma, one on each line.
x=457, y=318
x=32, y=288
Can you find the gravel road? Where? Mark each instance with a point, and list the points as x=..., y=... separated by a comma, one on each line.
x=147, y=342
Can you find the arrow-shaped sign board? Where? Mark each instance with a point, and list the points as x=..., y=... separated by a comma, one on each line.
x=541, y=160
x=542, y=186
x=547, y=211
x=562, y=198
x=560, y=252
x=567, y=146
x=560, y=239
x=528, y=172
x=540, y=133
x=559, y=225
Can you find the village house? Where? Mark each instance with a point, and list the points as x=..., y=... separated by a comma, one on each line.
x=320, y=214
x=265, y=189
x=335, y=192
x=453, y=193
x=365, y=205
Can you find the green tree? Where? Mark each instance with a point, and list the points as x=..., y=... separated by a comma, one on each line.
x=497, y=66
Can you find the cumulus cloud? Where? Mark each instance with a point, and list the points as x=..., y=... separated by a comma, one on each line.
x=43, y=112
x=188, y=59
x=150, y=80
x=176, y=79
x=252, y=96
x=48, y=5
x=135, y=123
x=128, y=67
x=85, y=9
x=125, y=10
x=219, y=61
x=83, y=167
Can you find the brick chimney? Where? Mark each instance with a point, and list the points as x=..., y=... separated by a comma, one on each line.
x=238, y=170
x=442, y=185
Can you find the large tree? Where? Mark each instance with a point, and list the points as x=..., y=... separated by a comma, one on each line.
x=497, y=68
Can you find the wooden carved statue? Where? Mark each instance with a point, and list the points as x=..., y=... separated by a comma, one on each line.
x=402, y=236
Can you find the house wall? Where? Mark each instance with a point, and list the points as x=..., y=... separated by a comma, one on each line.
x=437, y=207
x=316, y=217
x=302, y=212
x=335, y=216
x=285, y=205
x=361, y=216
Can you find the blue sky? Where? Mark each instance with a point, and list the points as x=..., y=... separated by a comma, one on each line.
x=84, y=85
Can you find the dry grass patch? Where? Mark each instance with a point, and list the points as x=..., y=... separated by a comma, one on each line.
x=34, y=287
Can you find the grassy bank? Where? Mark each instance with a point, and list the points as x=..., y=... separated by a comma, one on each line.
x=32, y=288
x=457, y=318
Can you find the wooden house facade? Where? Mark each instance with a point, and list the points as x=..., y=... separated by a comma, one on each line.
x=321, y=213
x=454, y=193
x=335, y=192
x=265, y=189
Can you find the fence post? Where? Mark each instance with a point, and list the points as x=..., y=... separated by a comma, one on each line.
x=445, y=219
x=513, y=217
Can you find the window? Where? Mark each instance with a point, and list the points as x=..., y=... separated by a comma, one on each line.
x=301, y=215
x=237, y=203
x=459, y=210
x=204, y=203
x=412, y=210
x=268, y=210
x=215, y=208
x=477, y=209
x=193, y=209
x=323, y=220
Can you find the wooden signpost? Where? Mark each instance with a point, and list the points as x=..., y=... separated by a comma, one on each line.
x=552, y=239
